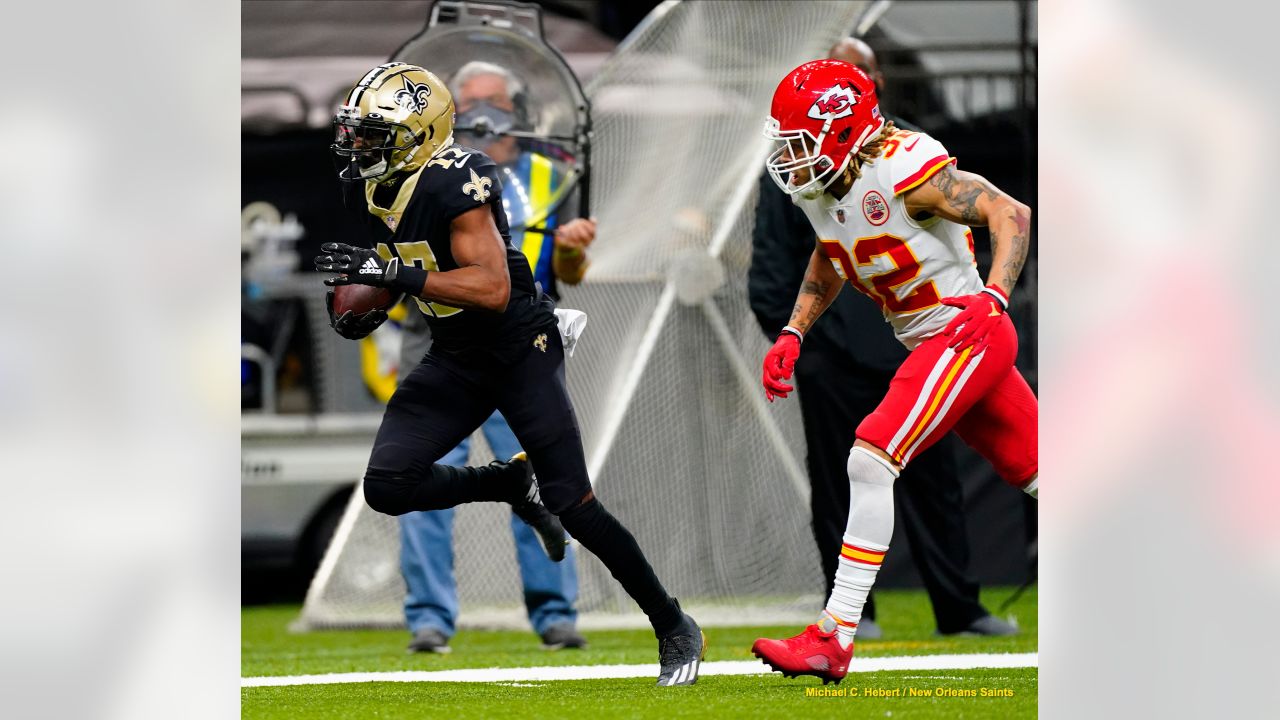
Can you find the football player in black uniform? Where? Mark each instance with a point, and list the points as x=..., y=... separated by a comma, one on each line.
x=435, y=212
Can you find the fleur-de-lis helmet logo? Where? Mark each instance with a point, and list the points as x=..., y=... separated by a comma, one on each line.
x=413, y=96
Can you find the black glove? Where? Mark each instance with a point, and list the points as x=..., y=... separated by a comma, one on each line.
x=350, y=325
x=362, y=266
x=359, y=266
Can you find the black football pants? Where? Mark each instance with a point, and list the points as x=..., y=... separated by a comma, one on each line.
x=834, y=397
x=446, y=397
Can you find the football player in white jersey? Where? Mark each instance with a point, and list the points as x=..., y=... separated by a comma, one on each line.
x=891, y=214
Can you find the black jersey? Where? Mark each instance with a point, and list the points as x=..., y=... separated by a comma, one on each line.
x=410, y=219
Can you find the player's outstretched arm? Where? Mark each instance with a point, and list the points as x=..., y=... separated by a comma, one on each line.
x=481, y=280
x=969, y=199
x=819, y=289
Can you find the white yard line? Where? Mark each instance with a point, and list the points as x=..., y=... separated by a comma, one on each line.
x=603, y=672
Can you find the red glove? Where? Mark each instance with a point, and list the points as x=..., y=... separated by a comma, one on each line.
x=978, y=315
x=779, y=362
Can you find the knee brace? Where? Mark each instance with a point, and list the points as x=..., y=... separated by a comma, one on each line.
x=870, y=496
x=866, y=466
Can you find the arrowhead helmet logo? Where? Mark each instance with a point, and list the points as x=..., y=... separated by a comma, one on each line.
x=413, y=96
x=835, y=103
x=478, y=187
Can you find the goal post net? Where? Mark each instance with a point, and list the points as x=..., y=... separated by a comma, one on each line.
x=681, y=445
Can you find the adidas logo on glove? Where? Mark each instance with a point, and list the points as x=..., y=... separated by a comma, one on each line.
x=370, y=267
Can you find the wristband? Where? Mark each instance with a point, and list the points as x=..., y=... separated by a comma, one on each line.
x=788, y=329
x=999, y=295
x=405, y=278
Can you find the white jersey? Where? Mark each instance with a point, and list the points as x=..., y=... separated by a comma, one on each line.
x=905, y=266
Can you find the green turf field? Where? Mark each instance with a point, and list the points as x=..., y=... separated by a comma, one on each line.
x=269, y=649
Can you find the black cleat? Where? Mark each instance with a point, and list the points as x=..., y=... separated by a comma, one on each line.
x=869, y=630
x=988, y=625
x=680, y=655
x=430, y=640
x=563, y=635
x=527, y=505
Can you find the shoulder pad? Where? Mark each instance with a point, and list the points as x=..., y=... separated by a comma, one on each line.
x=459, y=179
x=909, y=159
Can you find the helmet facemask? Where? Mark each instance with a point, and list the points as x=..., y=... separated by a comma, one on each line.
x=369, y=148
x=822, y=113
x=797, y=165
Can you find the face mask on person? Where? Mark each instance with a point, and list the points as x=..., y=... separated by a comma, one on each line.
x=481, y=122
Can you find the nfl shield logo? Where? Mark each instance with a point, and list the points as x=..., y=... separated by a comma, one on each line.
x=840, y=216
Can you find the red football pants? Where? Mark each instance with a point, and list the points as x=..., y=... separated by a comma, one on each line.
x=983, y=397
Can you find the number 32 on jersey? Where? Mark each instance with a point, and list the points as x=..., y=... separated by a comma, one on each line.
x=883, y=286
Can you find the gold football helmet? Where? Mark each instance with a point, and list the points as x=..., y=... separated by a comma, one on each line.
x=397, y=118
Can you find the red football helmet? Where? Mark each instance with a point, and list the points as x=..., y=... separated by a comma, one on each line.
x=823, y=112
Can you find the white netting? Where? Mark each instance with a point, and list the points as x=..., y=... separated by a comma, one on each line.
x=682, y=447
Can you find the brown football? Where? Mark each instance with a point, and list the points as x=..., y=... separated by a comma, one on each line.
x=360, y=299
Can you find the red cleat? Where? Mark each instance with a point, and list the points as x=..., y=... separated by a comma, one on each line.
x=812, y=652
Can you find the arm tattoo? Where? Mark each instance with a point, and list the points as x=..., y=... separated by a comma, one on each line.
x=816, y=290
x=814, y=287
x=962, y=194
x=1018, y=247
x=1013, y=266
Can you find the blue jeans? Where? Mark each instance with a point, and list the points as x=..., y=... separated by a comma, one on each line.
x=426, y=557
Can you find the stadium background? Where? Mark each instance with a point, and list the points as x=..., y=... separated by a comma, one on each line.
x=970, y=81
x=123, y=519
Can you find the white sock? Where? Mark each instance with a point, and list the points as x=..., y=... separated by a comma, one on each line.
x=866, y=539
x=1031, y=487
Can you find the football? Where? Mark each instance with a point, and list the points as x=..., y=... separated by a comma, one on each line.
x=360, y=299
